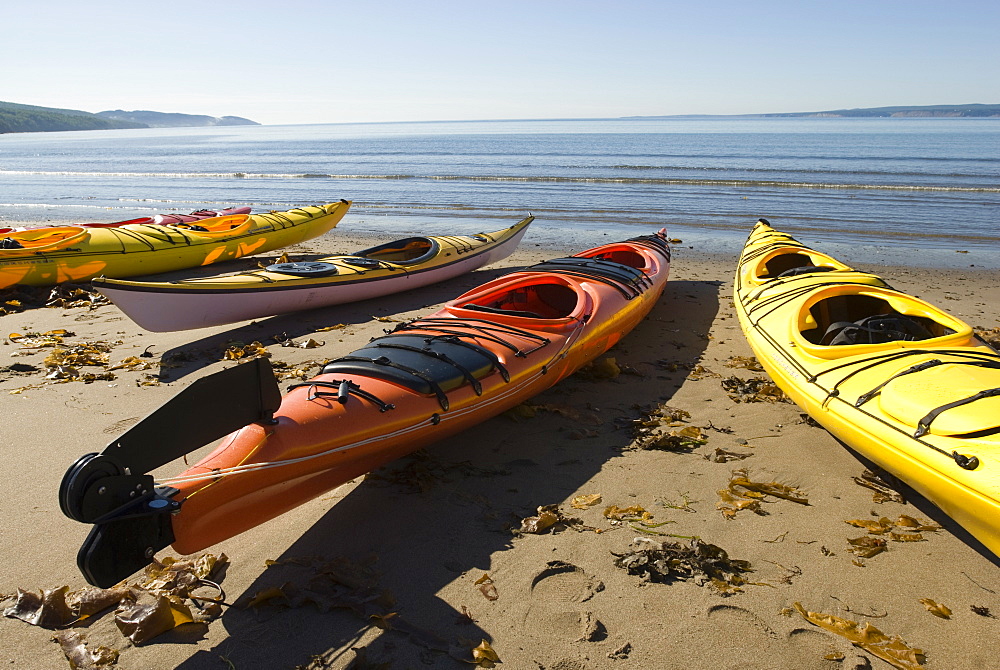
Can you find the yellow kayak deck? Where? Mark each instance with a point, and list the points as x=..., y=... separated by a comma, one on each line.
x=905, y=384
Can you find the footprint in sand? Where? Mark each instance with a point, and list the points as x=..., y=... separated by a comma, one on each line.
x=556, y=608
x=750, y=642
x=737, y=622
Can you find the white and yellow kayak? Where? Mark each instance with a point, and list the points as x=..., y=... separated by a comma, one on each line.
x=59, y=254
x=904, y=384
x=281, y=288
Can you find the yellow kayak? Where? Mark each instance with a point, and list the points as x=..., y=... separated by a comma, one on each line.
x=901, y=382
x=59, y=254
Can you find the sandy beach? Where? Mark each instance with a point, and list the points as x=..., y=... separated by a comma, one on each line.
x=435, y=535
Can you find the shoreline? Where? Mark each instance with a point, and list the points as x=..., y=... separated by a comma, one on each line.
x=430, y=525
x=714, y=242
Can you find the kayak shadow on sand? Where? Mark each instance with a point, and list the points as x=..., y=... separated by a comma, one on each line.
x=182, y=360
x=435, y=520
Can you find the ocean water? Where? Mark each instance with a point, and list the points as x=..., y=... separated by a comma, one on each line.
x=889, y=190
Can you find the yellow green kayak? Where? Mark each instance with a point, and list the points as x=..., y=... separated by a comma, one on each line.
x=903, y=383
x=59, y=254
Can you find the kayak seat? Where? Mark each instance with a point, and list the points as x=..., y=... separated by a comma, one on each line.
x=876, y=329
x=429, y=365
x=863, y=319
x=782, y=263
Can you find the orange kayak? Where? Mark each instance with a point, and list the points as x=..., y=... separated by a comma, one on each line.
x=481, y=354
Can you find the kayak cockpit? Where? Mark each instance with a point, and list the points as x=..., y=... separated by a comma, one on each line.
x=791, y=262
x=48, y=238
x=534, y=300
x=855, y=316
x=407, y=251
x=623, y=256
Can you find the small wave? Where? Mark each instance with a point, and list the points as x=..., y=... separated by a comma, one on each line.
x=789, y=170
x=539, y=179
x=740, y=183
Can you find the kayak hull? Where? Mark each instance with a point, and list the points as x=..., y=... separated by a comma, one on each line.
x=212, y=301
x=903, y=396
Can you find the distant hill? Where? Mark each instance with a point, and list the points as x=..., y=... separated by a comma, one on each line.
x=16, y=118
x=973, y=111
x=927, y=111
x=174, y=120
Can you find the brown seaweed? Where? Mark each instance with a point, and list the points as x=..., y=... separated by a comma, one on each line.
x=882, y=490
x=487, y=587
x=904, y=528
x=81, y=656
x=694, y=560
x=755, y=389
x=937, y=609
x=700, y=371
x=663, y=427
x=68, y=295
x=236, y=351
x=742, y=493
x=990, y=336
x=867, y=546
x=159, y=600
x=891, y=649
x=746, y=362
x=585, y=501
x=680, y=440
x=484, y=656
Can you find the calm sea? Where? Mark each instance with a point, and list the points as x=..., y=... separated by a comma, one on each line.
x=893, y=190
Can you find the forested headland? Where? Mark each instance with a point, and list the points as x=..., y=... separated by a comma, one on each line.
x=18, y=118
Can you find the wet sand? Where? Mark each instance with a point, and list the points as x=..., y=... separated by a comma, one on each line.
x=428, y=527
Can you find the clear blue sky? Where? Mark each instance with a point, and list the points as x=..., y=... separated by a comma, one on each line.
x=300, y=61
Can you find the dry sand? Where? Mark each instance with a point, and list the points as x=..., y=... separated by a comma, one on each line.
x=433, y=524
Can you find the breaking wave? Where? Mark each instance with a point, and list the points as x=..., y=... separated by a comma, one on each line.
x=650, y=181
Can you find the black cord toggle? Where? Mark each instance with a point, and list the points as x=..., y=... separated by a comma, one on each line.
x=967, y=462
